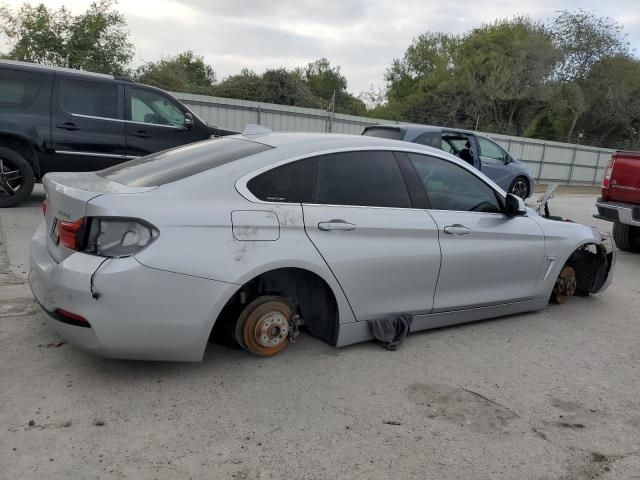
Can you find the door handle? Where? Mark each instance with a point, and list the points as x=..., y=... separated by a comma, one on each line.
x=68, y=126
x=140, y=134
x=336, y=224
x=457, y=229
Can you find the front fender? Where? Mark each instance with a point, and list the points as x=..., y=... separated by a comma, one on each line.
x=567, y=242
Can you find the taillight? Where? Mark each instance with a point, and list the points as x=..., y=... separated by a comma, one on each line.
x=118, y=237
x=45, y=205
x=606, y=180
x=69, y=233
x=72, y=318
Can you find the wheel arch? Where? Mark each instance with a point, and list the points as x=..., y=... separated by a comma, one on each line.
x=564, y=261
x=308, y=290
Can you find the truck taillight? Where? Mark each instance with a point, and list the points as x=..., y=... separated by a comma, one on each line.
x=69, y=233
x=606, y=180
x=45, y=205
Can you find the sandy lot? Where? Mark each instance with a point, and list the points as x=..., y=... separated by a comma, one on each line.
x=549, y=395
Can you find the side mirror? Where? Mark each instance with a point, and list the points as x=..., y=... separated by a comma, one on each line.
x=515, y=206
x=188, y=120
x=507, y=159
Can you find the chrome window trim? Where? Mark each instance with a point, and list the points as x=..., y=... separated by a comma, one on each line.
x=97, y=154
x=241, y=183
x=80, y=115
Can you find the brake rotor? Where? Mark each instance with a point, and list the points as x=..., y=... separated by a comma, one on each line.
x=566, y=285
x=266, y=326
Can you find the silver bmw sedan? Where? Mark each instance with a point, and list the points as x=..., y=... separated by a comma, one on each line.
x=257, y=236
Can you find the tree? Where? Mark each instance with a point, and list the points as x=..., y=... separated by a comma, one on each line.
x=492, y=73
x=325, y=81
x=273, y=86
x=585, y=39
x=613, y=116
x=185, y=72
x=506, y=65
x=96, y=40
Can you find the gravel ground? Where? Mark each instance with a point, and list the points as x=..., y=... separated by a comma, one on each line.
x=549, y=395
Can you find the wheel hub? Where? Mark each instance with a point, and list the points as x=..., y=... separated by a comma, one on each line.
x=9, y=179
x=271, y=329
x=520, y=189
x=566, y=285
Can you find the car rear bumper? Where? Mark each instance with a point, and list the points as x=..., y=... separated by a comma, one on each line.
x=626, y=213
x=139, y=313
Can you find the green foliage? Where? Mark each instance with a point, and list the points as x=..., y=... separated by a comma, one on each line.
x=585, y=39
x=273, y=86
x=96, y=40
x=573, y=78
x=185, y=72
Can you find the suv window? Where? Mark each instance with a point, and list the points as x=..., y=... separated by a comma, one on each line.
x=491, y=150
x=181, y=162
x=451, y=187
x=18, y=89
x=368, y=178
x=146, y=106
x=292, y=182
x=84, y=97
x=430, y=139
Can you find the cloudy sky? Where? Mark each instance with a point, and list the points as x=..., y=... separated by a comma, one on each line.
x=362, y=36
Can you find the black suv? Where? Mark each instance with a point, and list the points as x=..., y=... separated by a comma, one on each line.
x=58, y=119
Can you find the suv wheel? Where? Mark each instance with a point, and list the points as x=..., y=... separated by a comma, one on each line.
x=16, y=178
x=520, y=187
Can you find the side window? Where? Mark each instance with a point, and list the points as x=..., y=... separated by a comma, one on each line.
x=97, y=99
x=18, y=89
x=488, y=149
x=430, y=139
x=146, y=106
x=451, y=187
x=367, y=178
x=292, y=182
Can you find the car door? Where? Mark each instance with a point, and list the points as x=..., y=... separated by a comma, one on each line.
x=488, y=258
x=383, y=252
x=495, y=162
x=87, y=124
x=155, y=122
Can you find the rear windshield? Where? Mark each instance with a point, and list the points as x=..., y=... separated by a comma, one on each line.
x=182, y=162
x=17, y=89
x=383, y=132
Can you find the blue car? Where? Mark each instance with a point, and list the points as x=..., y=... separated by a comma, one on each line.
x=481, y=152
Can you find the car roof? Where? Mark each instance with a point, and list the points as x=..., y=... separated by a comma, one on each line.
x=38, y=67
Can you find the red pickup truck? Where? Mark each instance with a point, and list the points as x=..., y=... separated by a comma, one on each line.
x=620, y=200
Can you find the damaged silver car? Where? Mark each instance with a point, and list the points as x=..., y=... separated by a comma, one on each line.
x=257, y=236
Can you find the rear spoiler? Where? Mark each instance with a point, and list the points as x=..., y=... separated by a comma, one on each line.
x=219, y=132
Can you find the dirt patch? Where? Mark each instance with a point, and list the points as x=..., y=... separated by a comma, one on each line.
x=461, y=406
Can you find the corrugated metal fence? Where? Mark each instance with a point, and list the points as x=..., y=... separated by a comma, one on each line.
x=547, y=161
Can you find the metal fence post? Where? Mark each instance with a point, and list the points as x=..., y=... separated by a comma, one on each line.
x=573, y=163
x=595, y=173
x=544, y=150
x=259, y=112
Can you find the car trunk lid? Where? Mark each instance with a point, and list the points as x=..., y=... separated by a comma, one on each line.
x=67, y=196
